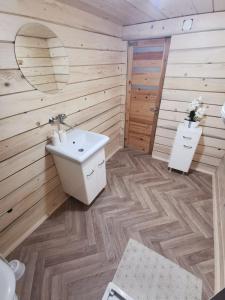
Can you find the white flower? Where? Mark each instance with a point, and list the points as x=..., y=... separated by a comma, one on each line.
x=200, y=112
x=196, y=110
x=194, y=105
x=200, y=99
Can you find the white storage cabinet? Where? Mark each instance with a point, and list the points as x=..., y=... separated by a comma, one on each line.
x=83, y=181
x=184, y=147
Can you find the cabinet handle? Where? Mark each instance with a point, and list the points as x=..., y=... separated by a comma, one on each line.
x=187, y=147
x=101, y=163
x=187, y=137
x=92, y=171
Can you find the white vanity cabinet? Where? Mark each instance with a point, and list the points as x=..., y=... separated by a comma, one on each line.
x=184, y=147
x=80, y=162
x=83, y=181
x=94, y=175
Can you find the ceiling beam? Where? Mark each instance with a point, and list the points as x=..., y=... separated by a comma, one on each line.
x=169, y=27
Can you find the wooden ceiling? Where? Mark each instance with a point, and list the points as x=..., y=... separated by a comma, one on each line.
x=127, y=12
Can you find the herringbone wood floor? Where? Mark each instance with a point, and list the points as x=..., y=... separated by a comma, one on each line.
x=74, y=254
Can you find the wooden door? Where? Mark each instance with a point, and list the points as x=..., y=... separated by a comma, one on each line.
x=146, y=71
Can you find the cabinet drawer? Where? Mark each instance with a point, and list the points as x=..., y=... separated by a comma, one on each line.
x=187, y=137
x=184, y=148
x=186, y=140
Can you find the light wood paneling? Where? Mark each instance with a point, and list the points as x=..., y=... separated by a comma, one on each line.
x=93, y=100
x=84, y=39
x=219, y=225
x=216, y=70
x=201, y=55
x=40, y=117
x=170, y=27
x=37, y=100
x=198, y=40
x=24, y=225
x=122, y=12
x=116, y=11
x=187, y=96
x=126, y=12
x=197, y=75
x=28, y=188
x=58, y=13
x=219, y=5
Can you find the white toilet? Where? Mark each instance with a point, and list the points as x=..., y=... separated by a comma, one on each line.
x=9, y=273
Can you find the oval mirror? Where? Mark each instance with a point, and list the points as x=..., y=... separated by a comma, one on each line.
x=42, y=58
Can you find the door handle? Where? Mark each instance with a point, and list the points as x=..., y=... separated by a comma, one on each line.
x=155, y=109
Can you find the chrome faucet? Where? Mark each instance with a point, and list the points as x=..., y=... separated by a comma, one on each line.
x=60, y=118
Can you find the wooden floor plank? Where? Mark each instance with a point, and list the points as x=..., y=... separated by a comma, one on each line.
x=74, y=253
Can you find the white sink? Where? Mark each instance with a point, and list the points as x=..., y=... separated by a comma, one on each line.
x=80, y=162
x=80, y=145
x=7, y=282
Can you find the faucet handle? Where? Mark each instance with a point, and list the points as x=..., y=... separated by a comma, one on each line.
x=61, y=117
x=51, y=120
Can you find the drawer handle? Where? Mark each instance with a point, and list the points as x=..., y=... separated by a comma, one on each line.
x=92, y=171
x=187, y=147
x=101, y=163
x=187, y=137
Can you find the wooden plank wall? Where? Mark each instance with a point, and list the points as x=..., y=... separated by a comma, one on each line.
x=170, y=27
x=219, y=225
x=196, y=67
x=94, y=100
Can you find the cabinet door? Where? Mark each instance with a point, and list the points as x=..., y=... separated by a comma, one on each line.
x=101, y=171
x=181, y=157
x=90, y=179
x=94, y=175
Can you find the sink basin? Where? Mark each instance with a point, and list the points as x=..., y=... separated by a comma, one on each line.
x=80, y=145
x=7, y=282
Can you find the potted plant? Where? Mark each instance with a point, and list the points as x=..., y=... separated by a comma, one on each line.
x=196, y=112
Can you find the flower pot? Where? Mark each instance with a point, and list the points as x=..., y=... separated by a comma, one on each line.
x=190, y=124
